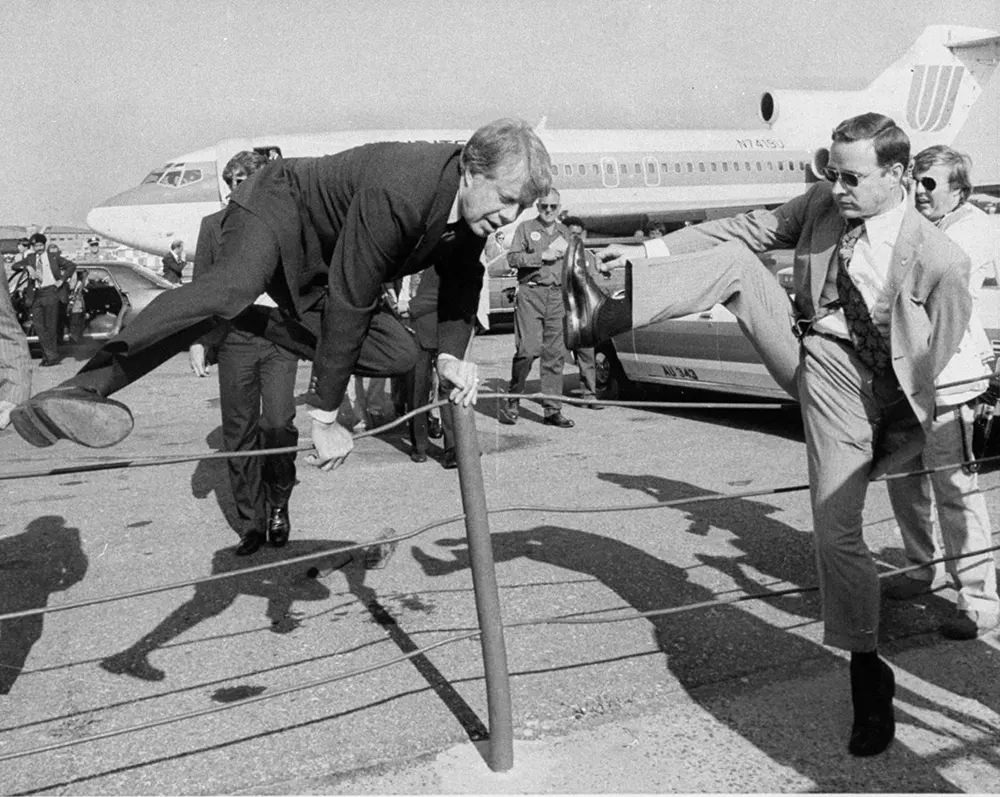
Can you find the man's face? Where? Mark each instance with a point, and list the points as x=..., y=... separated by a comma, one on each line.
x=39, y=247
x=488, y=203
x=238, y=176
x=575, y=229
x=875, y=189
x=933, y=194
x=95, y=249
x=548, y=208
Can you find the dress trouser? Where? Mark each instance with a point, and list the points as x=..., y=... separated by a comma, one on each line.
x=257, y=399
x=247, y=266
x=419, y=383
x=585, y=361
x=45, y=317
x=852, y=419
x=950, y=501
x=538, y=333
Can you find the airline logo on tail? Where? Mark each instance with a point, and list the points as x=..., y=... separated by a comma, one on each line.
x=932, y=96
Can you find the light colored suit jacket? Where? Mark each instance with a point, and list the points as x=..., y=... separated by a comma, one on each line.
x=928, y=279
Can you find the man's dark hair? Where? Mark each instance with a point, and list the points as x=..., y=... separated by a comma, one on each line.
x=891, y=144
x=24, y=242
x=246, y=159
x=498, y=143
x=959, y=167
x=573, y=221
x=38, y=238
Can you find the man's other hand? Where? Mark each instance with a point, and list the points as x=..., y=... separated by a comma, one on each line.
x=333, y=444
x=614, y=256
x=196, y=356
x=462, y=376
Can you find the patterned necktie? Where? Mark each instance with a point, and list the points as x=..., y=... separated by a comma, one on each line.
x=870, y=344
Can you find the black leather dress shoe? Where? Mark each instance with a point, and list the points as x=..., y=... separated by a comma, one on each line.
x=49, y=363
x=434, y=430
x=581, y=297
x=508, y=411
x=449, y=461
x=278, y=526
x=251, y=543
x=72, y=413
x=418, y=456
x=874, y=720
x=559, y=420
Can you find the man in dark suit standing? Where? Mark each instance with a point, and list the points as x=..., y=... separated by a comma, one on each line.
x=881, y=304
x=45, y=293
x=321, y=236
x=256, y=392
x=174, y=263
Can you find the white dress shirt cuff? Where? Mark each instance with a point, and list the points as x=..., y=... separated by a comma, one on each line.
x=656, y=248
x=446, y=356
x=325, y=417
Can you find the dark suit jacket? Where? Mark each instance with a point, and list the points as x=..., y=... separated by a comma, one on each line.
x=209, y=243
x=62, y=270
x=928, y=279
x=172, y=268
x=346, y=224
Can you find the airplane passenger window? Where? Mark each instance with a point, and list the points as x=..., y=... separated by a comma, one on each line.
x=677, y=168
x=701, y=166
x=567, y=170
x=715, y=166
x=609, y=168
x=690, y=167
x=770, y=166
x=554, y=169
x=791, y=166
x=638, y=169
x=781, y=166
x=747, y=164
x=190, y=176
x=624, y=168
x=725, y=166
x=596, y=168
x=759, y=167
x=651, y=167
x=736, y=166
x=664, y=168
x=582, y=170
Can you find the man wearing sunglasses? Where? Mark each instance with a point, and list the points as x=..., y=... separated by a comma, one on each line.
x=537, y=251
x=951, y=498
x=881, y=304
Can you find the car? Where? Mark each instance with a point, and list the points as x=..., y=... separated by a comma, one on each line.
x=116, y=291
x=708, y=350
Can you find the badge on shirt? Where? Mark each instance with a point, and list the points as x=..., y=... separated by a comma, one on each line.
x=535, y=236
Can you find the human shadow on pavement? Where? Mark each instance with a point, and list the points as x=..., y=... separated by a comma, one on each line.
x=282, y=587
x=47, y=557
x=708, y=651
x=212, y=476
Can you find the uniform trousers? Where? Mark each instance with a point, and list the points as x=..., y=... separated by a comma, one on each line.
x=951, y=502
x=248, y=264
x=45, y=317
x=853, y=420
x=257, y=399
x=538, y=334
x=588, y=372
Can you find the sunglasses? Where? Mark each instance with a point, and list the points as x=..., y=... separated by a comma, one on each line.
x=543, y=206
x=929, y=183
x=847, y=179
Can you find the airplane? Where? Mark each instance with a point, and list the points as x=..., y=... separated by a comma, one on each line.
x=621, y=180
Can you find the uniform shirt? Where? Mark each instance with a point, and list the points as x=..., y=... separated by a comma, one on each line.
x=531, y=239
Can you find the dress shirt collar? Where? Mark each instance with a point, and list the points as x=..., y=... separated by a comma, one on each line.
x=884, y=228
x=454, y=215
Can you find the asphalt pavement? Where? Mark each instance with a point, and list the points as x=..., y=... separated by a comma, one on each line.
x=724, y=697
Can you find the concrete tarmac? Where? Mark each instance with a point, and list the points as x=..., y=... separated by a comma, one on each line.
x=730, y=697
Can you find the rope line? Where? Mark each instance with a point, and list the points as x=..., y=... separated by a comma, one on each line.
x=574, y=618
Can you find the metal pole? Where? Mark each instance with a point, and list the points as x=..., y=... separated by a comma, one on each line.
x=484, y=582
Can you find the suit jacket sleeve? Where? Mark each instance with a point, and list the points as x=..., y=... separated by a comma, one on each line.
x=458, y=295
x=380, y=229
x=949, y=307
x=15, y=360
x=204, y=260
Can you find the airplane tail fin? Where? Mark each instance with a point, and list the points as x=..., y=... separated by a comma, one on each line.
x=931, y=89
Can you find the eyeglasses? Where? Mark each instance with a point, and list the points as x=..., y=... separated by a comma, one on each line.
x=543, y=206
x=929, y=183
x=848, y=179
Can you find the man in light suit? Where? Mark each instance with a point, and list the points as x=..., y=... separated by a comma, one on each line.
x=321, y=236
x=15, y=360
x=881, y=304
x=45, y=293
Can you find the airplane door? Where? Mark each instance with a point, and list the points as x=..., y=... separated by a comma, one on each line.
x=609, y=172
x=650, y=171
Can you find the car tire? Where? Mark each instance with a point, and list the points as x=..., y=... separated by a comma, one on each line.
x=612, y=383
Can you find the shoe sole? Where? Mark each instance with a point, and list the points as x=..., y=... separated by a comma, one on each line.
x=44, y=419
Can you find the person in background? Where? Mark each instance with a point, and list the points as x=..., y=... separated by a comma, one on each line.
x=94, y=248
x=15, y=359
x=536, y=253
x=948, y=504
x=77, y=306
x=46, y=293
x=256, y=392
x=173, y=263
x=585, y=355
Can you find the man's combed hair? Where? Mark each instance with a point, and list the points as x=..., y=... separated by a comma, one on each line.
x=892, y=145
x=246, y=159
x=502, y=141
x=959, y=167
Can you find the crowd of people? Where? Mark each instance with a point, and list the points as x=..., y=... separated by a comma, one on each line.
x=881, y=344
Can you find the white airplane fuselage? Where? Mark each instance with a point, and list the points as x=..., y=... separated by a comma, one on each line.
x=619, y=180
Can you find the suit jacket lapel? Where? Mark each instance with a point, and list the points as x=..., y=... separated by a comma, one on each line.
x=823, y=257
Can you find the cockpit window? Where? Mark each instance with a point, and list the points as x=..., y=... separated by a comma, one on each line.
x=177, y=177
x=153, y=176
x=190, y=176
x=171, y=178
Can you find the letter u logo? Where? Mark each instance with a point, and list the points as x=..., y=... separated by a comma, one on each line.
x=932, y=96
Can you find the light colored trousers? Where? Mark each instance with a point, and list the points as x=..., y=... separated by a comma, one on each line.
x=852, y=418
x=949, y=500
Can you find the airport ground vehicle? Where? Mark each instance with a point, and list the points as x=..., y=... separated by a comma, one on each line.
x=115, y=292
